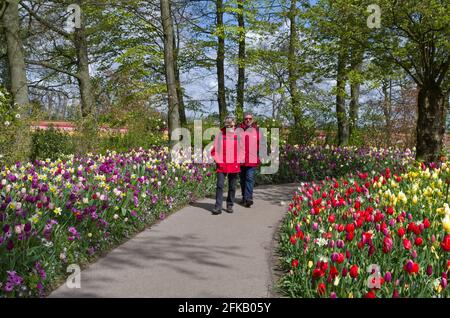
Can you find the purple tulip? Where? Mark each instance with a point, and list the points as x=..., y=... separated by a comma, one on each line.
x=388, y=277
x=9, y=245
x=429, y=270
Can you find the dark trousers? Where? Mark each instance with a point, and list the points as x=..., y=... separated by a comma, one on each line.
x=247, y=177
x=232, y=178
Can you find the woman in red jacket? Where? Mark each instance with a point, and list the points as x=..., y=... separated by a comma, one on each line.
x=227, y=155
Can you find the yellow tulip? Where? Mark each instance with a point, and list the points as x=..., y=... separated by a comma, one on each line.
x=446, y=223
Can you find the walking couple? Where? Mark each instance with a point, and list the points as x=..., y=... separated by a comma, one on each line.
x=236, y=151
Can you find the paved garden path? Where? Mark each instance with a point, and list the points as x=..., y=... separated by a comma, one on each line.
x=194, y=254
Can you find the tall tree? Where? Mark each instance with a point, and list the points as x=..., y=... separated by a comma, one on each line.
x=241, y=59
x=341, y=79
x=355, y=86
x=220, y=60
x=292, y=61
x=79, y=42
x=173, y=112
x=416, y=36
x=181, y=107
x=16, y=60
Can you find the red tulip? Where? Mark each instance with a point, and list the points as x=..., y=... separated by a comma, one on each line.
x=293, y=240
x=390, y=210
x=317, y=273
x=333, y=272
x=426, y=223
x=331, y=218
x=350, y=228
x=401, y=232
x=418, y=241
x=349, y=236
x=446, y=243
x=295, y=263
x=370, y=294
x=407, y=244
x=354, y=271
x=321, y=289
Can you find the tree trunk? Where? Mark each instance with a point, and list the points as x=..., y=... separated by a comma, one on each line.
x=430, y=123
x=354, y=92
x=343, y=134
x=292, y=63
x=387, y=110
x=221, y=61
x=83, y=77
x=16, y=62
x=241, y=61
x=173, y=112
x=181, y=107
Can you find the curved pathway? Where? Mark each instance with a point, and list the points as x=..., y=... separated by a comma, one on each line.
x=194, y=254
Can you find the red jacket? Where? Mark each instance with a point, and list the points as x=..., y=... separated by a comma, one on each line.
x=250, y=137
x=227, y=152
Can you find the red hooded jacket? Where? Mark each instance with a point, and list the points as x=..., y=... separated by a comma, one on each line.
x=227, y=152
x=250, y=137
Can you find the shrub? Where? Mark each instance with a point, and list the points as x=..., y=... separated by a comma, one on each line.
x=50, y=143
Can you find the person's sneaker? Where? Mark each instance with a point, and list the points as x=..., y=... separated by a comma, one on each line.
x=216, y=211
x=229, y=209
x=249, y=203
x=243, y=202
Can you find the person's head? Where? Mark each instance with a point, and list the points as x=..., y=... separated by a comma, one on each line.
x=248, y=118
x=229, y=122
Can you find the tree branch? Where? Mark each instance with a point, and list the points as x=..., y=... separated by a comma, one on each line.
x=53, y=67
x=45, y=22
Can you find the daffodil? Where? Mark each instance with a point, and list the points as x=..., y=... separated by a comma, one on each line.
x=57, y=211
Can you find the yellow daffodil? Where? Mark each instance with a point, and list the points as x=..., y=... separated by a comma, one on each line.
x=57, y=211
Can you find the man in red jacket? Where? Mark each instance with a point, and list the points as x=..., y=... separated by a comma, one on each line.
x=251, y=136
x=227, y=155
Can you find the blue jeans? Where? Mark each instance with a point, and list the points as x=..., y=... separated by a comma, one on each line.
x=247, y=182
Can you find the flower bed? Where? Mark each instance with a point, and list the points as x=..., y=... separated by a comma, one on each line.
x=307, y=163
x=53, y=214
x=369, y=235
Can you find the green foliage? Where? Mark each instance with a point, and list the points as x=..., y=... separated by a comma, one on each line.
x=303, y=132
x=145, y=128
x=15, y=135
x=51, y=144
